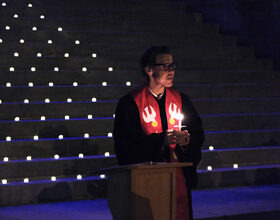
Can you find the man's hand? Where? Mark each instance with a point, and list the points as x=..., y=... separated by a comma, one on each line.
x=177, y=137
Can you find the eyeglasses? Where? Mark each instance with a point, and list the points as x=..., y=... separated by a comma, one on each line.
x=166, y=67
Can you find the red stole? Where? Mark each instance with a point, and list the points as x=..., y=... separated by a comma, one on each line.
x=151, y=123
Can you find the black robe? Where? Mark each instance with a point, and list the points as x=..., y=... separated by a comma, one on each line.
x=132, y=145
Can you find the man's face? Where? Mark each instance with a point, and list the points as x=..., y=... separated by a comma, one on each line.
x=163, y=70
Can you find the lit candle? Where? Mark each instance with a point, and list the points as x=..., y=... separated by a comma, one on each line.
x=181, y=116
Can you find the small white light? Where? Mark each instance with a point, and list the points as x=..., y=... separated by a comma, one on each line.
x=114, y=115
x=30, y=5
x=69, y=100
x=56, y=157
x=77, y=42
x=110, y=134
x=21, y=41
x=0, y=101
x=60, y=136
x=4, y=181
x=94, y=55
x=59, y=29
x=93, y=99
x=47, y=100
x=6, y=159
x=39, y=55
x=128, y=83
x=43, y=118
x=75, y=84
x=26, y=101
x=1, y=41
x=7, y=28
x=42, y=17
x=211, y=147
x=17, y=118
x=30, y=84
x=107, y=154
x=235, y=166
x=102, y=176
x=86, y=135
x=56, y=69
x=15, y=16
x=50, y=84
x=53, y=178
x=79, y=177
x=110, y=69
x=66, y=117
x=49, y=41
x=84, y=69
x=36, y=137
x=81, y=155
x=28, y=158
x=104, y=83
x=11, y=69
x=66, y=55
x=26, y=180
x=8, y=84
x=209, y=168
x=16, y=54
x=34, y=29
x=4, y=4
x=89, y=116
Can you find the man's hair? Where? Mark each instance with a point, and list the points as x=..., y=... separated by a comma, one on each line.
x=150, y=56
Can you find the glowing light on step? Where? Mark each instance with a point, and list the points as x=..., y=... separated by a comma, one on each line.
x=66, y=55
x=34, y=29
x=114, y=115
x=94, y=55
x=110, y=134
x=29, y=5
x=104, y=83
x=15, y=16
x=107, y=154
x=93, y=99
x=11, y=69
x=102, y=176
x=69, y=100
x=1, y=41
x=60, y=137
x=26, y=180
x=56, y=157
x=59, y=29
x=211, y=147
x=6, y=159
x=81, y=155
x=89, y=116
x=26, y=101
x=8, y=28
x=43, y=118
x=75, y=84
x=30, y=84
x=39, y=55
x=84, y=69
x=235, y=166
x=21, y=41
x=4, y=181
x=17, y=118
x=16, y=54
x=86, y=135
x=33, y=69
x=0, y=101
x=66, y=117
x=110, y=69
x=128, y=83
x=53, y=178
x=79, y=177
x=29, y=158
x=42, y=17
x=77, y=42
x=50, y=84
x=8, y=84
x=209, y=168
x=47, y=100
x=50, y=42
x=4, y=4
x=36, y=137
x=56, y=69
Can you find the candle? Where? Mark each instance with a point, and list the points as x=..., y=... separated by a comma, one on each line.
x=180, y=118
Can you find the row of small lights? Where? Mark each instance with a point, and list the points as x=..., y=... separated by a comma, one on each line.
x=94, y=55
x=49, y=42
x=56, y=69
x=36, y=137
x=5, y=4
x=53, y=178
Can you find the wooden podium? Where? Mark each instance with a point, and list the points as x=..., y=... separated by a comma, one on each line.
x=143, y=191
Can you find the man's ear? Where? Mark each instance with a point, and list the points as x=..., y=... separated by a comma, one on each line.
x=149, y=70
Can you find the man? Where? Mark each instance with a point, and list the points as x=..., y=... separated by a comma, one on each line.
x=146, y=125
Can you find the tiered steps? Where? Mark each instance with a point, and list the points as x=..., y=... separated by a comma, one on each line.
x=70, y=86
